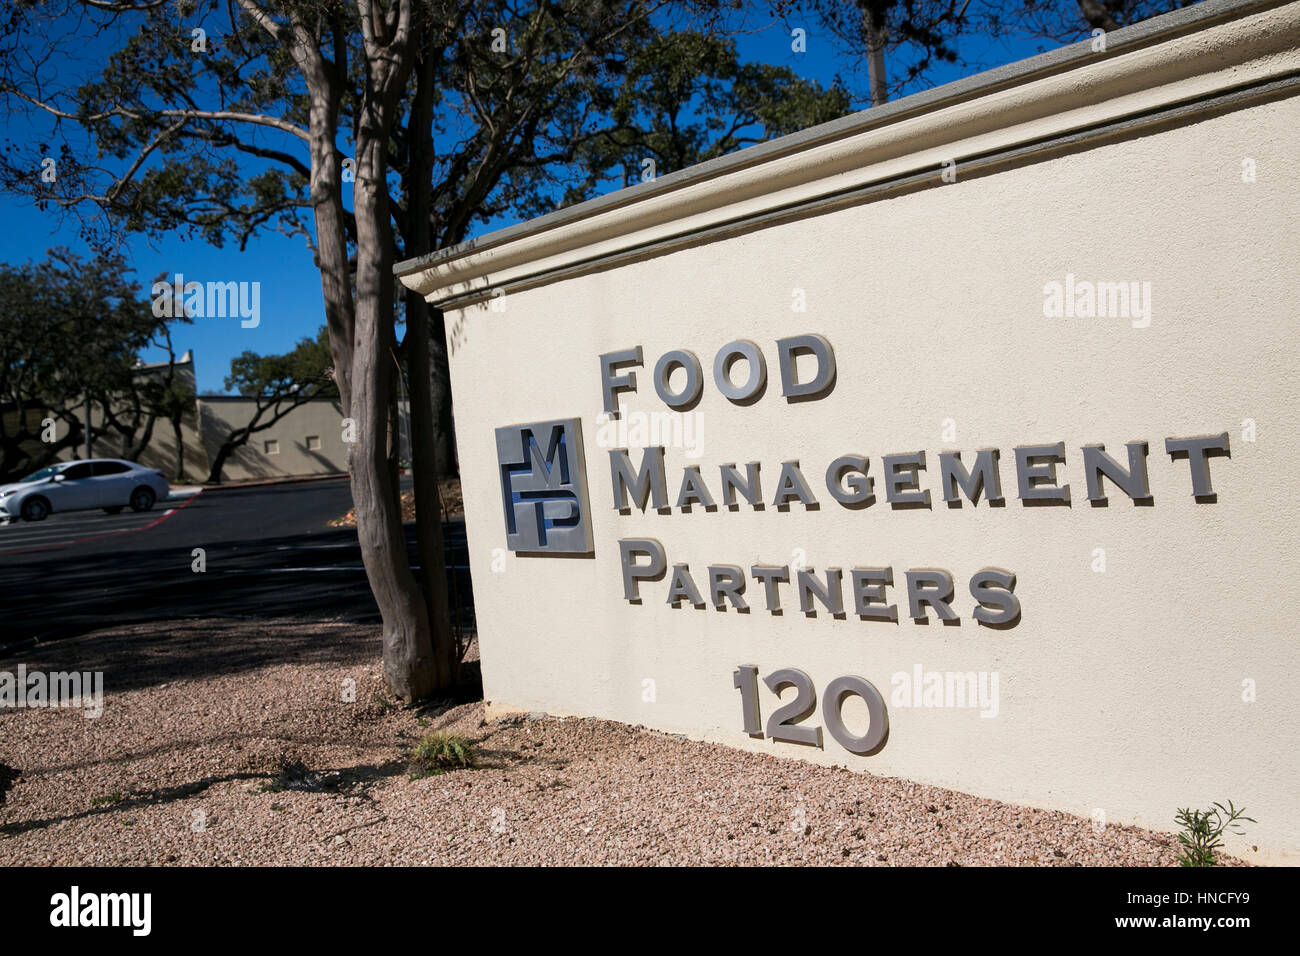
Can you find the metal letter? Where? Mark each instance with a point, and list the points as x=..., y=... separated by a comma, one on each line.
x=792, y=485
x=1133, y=482
x=683, y=586
x=930, y=586
x=757, y=370
x=731, y=483
x=628, y=551
x=869, y=593
x=822, y=382
x=618, y=383
x=829, y=594
x=693, y=489
x=649, y=479
x=953, y=474
x=1027, y=474
x=903, y=489
x=729, y=580
x=770, y=576
x=1005, y=604
x=861, y=488
x=1196, y=450
x=694, y=378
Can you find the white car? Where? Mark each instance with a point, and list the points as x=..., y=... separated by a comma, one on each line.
x=81, y=485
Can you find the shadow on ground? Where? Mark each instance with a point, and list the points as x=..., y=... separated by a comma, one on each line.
x=161, y=652
x=152, y=653
x=69, y=592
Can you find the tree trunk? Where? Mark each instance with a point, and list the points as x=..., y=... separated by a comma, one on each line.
x=425, y=433
x=180, y=449
x=410, y=667
x=136, y=451
x=392, y=446
x=428, y=503
x=331, y=233
x=214, y=473
x=443, y=435
x=873, y=24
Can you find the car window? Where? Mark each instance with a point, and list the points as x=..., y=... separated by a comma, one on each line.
x=77, y=472
x=110, y=467
x=43, y=474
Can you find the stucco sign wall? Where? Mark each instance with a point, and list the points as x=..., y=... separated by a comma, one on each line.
x=954, y=440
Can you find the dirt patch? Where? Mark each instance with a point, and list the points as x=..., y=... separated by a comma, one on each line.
x=201, y=759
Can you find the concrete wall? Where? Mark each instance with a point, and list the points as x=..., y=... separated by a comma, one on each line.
x=160, y=453
x=307, y=441
x=1125, y=688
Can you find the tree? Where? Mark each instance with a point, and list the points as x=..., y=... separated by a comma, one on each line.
x=544, y=120
x=686, y=98
x=277, y=384
x=1069, y=22
x=171, y=113
x=471, y=111
x=915, y=36
x=171, y=398
x=71, y=334
x=919, y=33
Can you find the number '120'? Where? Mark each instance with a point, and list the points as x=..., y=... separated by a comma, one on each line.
x=784, y=724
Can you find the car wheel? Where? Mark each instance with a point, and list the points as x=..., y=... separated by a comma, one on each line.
x=142, y=499
x=116, y=509
x=35, y=509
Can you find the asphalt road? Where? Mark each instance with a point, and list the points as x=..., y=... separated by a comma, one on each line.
x=268, y=553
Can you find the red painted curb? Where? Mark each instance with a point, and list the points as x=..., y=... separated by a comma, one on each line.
x=112, y=534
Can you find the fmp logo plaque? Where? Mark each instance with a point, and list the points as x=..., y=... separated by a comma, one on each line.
x=544, y=487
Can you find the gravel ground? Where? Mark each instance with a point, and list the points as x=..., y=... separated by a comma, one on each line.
x=202, y=717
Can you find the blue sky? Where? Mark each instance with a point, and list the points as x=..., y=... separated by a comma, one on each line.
x=291, y=303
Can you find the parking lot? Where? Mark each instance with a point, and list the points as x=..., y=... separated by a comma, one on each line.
x=76, y=527
x=266, y=552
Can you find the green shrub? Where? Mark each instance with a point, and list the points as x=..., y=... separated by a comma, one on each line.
x=438, y=752
x=1202, y=832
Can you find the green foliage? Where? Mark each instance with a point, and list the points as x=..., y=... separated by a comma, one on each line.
x=438, y=752
x=686, y=98
x=304, y=372
x=515, y=131
x=1202, y=832
x=278, y=384
x=72, y=328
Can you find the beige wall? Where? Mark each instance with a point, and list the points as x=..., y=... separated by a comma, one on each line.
x=320, y=419
x=1120, y=690
x=160, y=452
x=206, y=426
